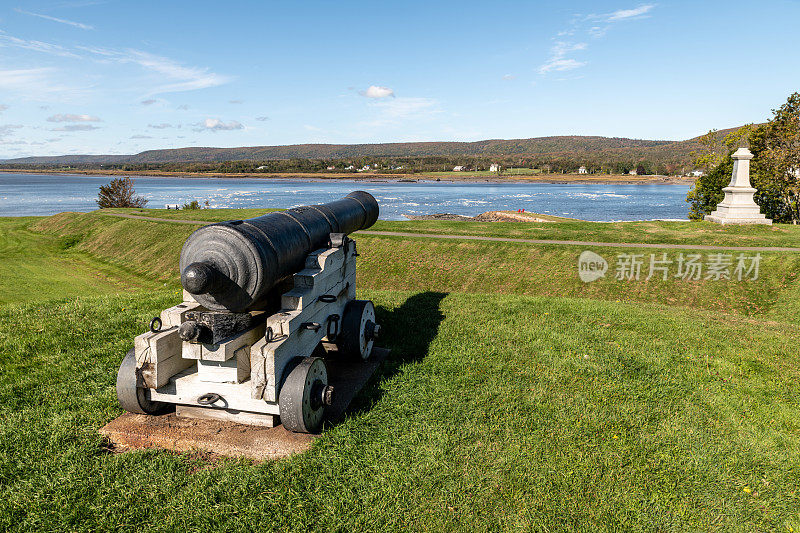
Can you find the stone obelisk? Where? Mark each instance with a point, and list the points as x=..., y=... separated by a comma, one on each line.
x=738, y=206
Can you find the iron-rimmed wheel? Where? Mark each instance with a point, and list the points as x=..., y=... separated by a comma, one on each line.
x=133, y=398
x=358, y=330
x=304, y=395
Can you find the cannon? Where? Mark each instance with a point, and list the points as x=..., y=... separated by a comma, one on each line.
x=268, y=303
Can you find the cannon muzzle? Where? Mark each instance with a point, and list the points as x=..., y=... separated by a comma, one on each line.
x=231, y=266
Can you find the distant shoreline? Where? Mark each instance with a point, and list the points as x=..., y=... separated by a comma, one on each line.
x=373, y=177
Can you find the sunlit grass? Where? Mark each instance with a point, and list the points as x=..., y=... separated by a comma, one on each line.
x=615, y=405
x=494, y=412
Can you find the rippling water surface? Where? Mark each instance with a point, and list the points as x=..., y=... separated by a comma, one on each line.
x=47, y=194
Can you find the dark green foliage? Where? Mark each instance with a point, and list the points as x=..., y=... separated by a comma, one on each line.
x=776, y=146
x=119, y=193
x=706, y=192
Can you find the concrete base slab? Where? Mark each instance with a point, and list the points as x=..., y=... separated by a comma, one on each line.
x=181, y=434
x=727, y=220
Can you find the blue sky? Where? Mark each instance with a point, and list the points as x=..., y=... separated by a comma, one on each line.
x=83, y=76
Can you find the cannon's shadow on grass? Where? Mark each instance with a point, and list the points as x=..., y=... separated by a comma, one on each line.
x=408, y=331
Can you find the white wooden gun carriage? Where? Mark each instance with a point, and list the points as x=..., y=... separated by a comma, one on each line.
x=254, y=365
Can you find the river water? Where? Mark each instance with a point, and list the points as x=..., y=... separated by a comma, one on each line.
x=46, y=194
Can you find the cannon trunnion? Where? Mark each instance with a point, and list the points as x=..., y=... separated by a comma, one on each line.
x=268, y=302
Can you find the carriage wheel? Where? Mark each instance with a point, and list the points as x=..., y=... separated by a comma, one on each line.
x=359, y=330
x=133, y=398
x=304, y=395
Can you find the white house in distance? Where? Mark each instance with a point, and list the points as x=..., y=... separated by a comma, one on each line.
x=262, y=167
x=350, y=167
x=331, y=168
x=494, y=167
x=697, y=173
x=582, y=170
x=458, y=168
x=633, y=172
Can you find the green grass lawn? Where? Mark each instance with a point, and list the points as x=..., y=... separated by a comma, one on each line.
x=636, y=232
x=151, y=249
x=516, y=397
x=686, y=232
x=36, y=266
x=494, y=412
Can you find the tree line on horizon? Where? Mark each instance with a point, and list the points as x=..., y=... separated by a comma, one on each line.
x=659, y=163
x=599, y=155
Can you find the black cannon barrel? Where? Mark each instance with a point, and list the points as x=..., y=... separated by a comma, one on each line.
x=232, y=265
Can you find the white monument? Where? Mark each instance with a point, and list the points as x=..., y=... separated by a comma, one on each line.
x=738, y=206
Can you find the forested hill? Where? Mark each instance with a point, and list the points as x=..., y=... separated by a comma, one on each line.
x=565, y=145
x=541, y=145
x=590, y=147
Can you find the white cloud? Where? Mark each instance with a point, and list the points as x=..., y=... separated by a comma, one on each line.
x=374, y=91
x=624, y=14
x=54, y=19
x=509, y=77
x=16, y=79
x=77, y=127
x=3, y=107
x=406, y=106
x=235, y=101
x=8, y=129
x=34, y=83
x=36, y=46
x=171, y=76
x=182, y=78
x=398, y=110
x=262, y=118
x=68, y=117
x=594, y=25
x=559, y=65
x=162, y=126
x=149, y=101
x=215, y=124
x=558, y=60
x=598, y=31
x=141, y=137
x=560, y=49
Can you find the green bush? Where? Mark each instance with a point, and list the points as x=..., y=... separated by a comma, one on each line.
x=119, y=193
x=707, y=190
